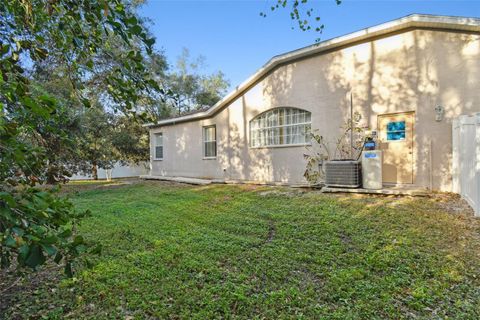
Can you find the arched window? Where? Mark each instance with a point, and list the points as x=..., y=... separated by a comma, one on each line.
x=280, y=126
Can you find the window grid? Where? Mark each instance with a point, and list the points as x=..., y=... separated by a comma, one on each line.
x=210, y=141
x=281, y=126
x=396, y=131
x=159, y=146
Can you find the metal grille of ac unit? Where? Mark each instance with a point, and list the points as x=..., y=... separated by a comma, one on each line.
x=346, y=174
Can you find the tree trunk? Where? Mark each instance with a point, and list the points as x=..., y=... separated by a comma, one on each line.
x=94, y=170
x=51, y=175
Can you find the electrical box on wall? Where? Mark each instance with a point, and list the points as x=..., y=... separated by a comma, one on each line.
x=439, y=111
x=372, y=169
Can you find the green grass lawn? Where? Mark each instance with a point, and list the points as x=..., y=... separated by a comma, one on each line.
x=180, y=252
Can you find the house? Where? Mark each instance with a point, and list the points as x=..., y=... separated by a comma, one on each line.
x=119, y=170
x=408, y=78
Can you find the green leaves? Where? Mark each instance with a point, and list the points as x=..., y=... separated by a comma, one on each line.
x=136, y=30
x=34, y=106
x=35, y=257
x=89, y=64
x=7, y=198
x=86, y=102
x=49, y=249
x=303, y=15
x=41, y=53
x=88, y=43
x=150, y=42
x=10, y=241
x=4, y=49
x=38, y=229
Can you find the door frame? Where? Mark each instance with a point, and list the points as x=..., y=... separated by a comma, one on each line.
x=393, y=114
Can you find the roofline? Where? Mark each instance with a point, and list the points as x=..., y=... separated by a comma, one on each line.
x=414, y=21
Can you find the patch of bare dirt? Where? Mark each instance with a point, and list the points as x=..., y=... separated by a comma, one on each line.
x=452, y=203
x=251, y=187
x=282, y=193
x=221, y=200
x=20, y=286
x=449, y=202
x=307, y=278
x=271, y=231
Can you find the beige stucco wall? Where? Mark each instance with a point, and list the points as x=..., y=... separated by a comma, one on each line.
x=411, y=71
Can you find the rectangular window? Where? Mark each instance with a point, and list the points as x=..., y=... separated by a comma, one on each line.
x=210, y=141
x=158, y=146
x=396, y=131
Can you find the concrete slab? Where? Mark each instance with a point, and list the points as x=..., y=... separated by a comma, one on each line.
x=193, y=181
x=405, y=191
x=264, y=183
x=197, y=181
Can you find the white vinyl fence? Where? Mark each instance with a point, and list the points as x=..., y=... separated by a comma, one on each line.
x=118, y=171
x=466, y=159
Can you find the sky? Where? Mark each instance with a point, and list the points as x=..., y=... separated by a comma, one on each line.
x=235, y=39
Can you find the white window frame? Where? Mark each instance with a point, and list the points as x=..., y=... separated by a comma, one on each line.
x=262, y=125
x=155, y=145
x=204, y=141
